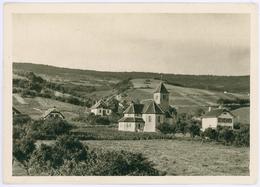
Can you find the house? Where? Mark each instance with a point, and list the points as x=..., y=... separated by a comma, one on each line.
x=217, y=117
x=101, y=108
x=150, y=113
x=52, y=113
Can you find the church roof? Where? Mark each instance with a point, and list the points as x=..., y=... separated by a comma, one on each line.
x=153, y=108
x=134, y=109
x=161, y=89
x=131, y=119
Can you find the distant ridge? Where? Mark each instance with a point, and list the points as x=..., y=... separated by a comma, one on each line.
x=237, y=84
x=16, y=64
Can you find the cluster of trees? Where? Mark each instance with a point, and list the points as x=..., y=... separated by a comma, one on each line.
x=123, y=85
x=68, y=156
x=92, y=119
x=234, y=103
x=34, y=85
x=239, y=136
x=184, y=124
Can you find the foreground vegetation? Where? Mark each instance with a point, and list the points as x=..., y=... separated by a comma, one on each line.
x=185, y=158
x=68, y=156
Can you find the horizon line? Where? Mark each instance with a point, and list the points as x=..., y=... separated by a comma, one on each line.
x=57, y=66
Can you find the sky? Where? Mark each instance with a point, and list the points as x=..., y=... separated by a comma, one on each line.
x=215, y=44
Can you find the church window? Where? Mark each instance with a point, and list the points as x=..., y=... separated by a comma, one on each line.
x=159, y=119
x=149, y=118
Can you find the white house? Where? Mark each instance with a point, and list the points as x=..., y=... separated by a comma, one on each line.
x=218, y=117
x=147, y=115
x=101, y=108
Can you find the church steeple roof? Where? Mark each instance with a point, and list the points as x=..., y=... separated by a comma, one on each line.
x=161, y=89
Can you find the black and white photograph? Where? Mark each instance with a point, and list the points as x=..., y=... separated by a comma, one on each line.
x=131, y=94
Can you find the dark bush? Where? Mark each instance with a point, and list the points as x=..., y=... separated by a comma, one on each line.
x=23, y=148
x=226, y=134
x=20, y=119
x=166, y=128
x=194, y=129
x=242, y=136
x=70, y=158
x=210, y=133
x=49, y=128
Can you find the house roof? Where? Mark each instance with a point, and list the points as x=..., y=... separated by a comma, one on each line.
x=100, y=104
x=131, y=119
x=52, y=110
x=153, y=108
x=216, y=113
x=161, y=89
x=134, y=109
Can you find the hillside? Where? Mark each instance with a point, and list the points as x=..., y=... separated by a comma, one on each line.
x=242, y=114
x=69, y=88
x=184, y=99
x=238, y=84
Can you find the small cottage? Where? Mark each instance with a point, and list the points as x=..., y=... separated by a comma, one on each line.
x=101, y=108
x=53, y=113
x=217, y=117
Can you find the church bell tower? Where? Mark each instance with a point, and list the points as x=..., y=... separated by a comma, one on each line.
x=161, y=96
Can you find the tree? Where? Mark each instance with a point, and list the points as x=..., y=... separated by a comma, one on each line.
x=183, y=120
x=49, y=128
x=22, y=151
x=199, y=112
x=226, y=134
x=210, y=133
x=47, y=159
x=193, y=129
x=242, y=136
x=166, y=128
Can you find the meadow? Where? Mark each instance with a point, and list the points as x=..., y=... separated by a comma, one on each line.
x=177, y=157
x=185, y=158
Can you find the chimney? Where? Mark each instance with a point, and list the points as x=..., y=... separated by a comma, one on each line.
x=209, y=108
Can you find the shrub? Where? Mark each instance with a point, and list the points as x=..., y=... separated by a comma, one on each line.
x=49, y=128
x=68, y=156
x=119, y=163
x=193, y=129
x=226, y=134
x=92, y=119
x=111, y=133
x=166, y=128
x=210, y=133
x=22, y=151
x=21, y=119
x=242, y=136
x=102, y=120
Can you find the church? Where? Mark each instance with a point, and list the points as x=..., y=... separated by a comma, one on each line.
x=148, y=114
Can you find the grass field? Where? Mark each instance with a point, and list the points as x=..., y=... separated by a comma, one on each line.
x=242, y=115
x=178, y=157
x=186, y=158
x=184, y=99
x=35, y=107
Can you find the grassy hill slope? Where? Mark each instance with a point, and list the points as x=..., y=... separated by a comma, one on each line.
x=183, y=97
x=239, y=84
